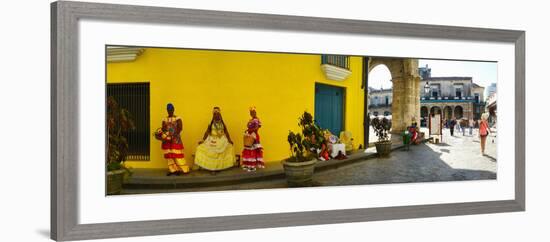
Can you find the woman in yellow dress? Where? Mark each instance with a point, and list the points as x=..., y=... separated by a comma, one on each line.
x=215, y=152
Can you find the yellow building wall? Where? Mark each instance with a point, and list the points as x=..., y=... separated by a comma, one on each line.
x=281, y=86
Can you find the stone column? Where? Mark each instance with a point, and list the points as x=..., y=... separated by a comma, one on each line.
x=468, y=110
x=417, y=96
x=406, y=94
x=398, y=105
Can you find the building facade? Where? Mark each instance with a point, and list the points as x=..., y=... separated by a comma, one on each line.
x=491, y=108
x=452, y=97
x=280, y=86
x=380, y=102
x=491, y=89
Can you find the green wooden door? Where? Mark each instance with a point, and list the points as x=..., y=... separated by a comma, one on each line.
x=329, y=107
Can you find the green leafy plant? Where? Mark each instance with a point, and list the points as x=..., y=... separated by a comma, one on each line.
x=119, y=121
x=304, y=146
x=381, y=128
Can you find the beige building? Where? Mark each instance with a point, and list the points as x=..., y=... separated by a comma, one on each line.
x=380, y=101
x=453, y=97
x=491, y=107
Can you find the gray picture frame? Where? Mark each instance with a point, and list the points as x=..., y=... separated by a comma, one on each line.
x=64, y=118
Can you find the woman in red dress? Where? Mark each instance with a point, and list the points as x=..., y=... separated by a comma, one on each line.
x=172, y=146
x=252, y=154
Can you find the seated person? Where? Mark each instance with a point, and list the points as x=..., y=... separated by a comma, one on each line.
x=215, y=152
x=416, y=135
x=413, y=131
x=420, y=136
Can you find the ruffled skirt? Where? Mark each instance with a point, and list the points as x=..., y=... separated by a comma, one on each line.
x=215, y=153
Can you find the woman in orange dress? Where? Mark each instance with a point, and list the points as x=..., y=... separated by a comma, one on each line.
x=484, y=131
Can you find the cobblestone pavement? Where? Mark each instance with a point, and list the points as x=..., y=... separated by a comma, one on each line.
x=456, y=158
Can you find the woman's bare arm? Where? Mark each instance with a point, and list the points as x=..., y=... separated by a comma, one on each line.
x=227, y=134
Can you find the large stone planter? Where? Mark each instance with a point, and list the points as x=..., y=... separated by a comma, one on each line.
x=114, y=181
x=299, y=174
x=383, y=148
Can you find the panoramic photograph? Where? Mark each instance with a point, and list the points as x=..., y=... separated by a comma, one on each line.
x=198, y=120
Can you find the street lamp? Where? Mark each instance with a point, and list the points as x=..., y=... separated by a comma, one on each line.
x=426, y=89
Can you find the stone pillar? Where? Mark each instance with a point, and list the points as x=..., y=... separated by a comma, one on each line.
x=468, y=111
x=407, y=89
x=406, y=103
x=417, y=96
x=398, y=105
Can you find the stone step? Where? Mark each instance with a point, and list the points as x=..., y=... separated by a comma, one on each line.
x=146, y=179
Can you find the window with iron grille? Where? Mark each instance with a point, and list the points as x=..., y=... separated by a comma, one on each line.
x=458, y=90
x=336, y=60
x=134, y=97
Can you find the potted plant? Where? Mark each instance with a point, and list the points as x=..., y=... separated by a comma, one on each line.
x=304, y=146
x=381, y=129
x=119, y=121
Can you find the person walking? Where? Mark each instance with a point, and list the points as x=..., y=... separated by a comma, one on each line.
x=484, y=131
x=471, y=126
x=458, y=125
x=452, y=124
x=463, y=126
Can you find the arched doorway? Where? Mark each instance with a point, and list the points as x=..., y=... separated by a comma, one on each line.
x=380, y=97
x=380, y=77
x=447, y=112
x=423, y=116
x=404, y=78
x=435, y=110
x=380, y=89
x=459, y=112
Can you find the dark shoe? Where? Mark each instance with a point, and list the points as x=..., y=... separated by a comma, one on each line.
x=170, y=173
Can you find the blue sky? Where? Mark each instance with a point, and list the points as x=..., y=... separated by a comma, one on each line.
x=482, y=73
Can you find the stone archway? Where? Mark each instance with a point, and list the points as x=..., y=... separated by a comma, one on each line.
x=424, y=112
x=435, y=110
x=406, y=90
x=458, y=112
x=424, y=116
x=447, y=112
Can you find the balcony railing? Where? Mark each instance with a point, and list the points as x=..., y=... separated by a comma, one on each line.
x=382, y=105
x=341, y=61
x=450, y=99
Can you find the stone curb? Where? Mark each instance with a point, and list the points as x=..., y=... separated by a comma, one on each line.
x=175, y=182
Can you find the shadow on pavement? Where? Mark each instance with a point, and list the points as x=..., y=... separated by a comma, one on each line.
x=421, y=164
x=490, y=157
